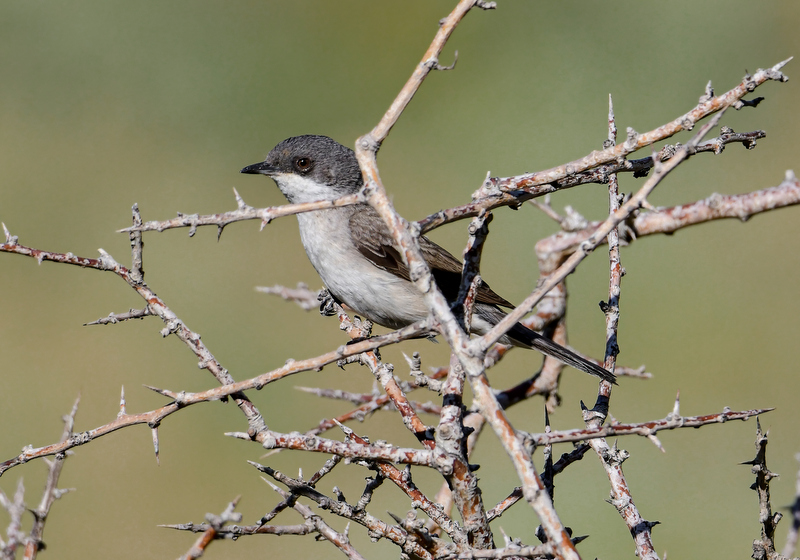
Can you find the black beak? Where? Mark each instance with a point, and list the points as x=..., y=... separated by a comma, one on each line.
x=260, y=168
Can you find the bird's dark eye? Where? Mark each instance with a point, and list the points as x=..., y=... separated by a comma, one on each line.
x=302, y=164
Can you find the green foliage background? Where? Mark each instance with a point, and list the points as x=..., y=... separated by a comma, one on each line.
x=103, y=104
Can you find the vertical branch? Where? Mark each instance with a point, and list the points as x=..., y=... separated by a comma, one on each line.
x=638, y=200
x=611, y=309
x=470, y=275
x=51, y=492
x=384, y=374
x=533, y=488
x=764, y=548
x=137, y=247
x=451, y=438
x=366, y=150
x=451, y=435
x=470, y=355
x=16, y=509
x=612, y=457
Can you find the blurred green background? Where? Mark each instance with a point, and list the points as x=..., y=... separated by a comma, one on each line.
x=104, y=104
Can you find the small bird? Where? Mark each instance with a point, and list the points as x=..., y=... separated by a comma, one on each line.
x=357, y=258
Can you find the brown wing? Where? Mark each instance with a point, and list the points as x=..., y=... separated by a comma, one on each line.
x=372, y=239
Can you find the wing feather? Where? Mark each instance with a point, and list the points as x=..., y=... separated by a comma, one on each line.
x=372, y=239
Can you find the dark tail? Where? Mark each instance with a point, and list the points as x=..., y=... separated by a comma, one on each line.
x=519, y=335
x=532, y=339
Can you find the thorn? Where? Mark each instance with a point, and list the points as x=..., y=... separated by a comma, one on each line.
x=311, y=390
x=676, y=409
x=122, y=404
x=440, y=67
x=10, y=239
x=238, y=435
x=155, y=444
x=656, y=442
x=274, y=487
x=347, y=431
x=73, y=412
x=58, y=492
x=239, y=200
x=164, y=392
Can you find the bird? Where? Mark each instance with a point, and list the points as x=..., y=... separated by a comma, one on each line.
x=359, y=261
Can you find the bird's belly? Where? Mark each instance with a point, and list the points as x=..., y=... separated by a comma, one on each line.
x=378, y=295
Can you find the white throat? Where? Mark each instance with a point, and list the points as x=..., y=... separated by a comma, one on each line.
x=297, y=188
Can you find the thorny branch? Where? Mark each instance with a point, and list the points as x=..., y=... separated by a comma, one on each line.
x=446, y=449
x=33, y=542
x=612, y=458
x=51, y=492
x=646, y=429
x=602, y=174
x=400, y=536
x=215, y=525
x=633, y=204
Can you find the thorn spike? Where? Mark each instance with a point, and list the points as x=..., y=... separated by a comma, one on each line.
x=155, y=444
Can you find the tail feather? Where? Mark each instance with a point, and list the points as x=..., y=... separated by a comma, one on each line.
x=519, y=335
x=546, y=346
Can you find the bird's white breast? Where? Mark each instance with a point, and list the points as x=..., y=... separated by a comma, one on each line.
x=378, y=295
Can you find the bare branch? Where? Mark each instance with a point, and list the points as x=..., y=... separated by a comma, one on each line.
x=408, y=543
x=51, y=493
x=764, y=548
x=635, y=141
x=430, y=61
x=14, y=535
x=156, y=306
x=114, y=318
x=599, y=235
x=647, y=429
x=338, y=540
x=244, y=212
x=670, y=220
x=215, y=523
x=301, y=295
x=601, y=174
x=154, y=417
x=351, y=450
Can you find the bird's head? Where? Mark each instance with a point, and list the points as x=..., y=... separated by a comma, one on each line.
x=310, y=168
